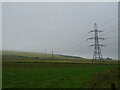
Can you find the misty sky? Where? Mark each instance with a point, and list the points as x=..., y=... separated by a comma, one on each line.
x=61, y=27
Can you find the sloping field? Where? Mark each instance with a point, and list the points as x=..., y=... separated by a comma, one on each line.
x=15, y=56
x=21, y=55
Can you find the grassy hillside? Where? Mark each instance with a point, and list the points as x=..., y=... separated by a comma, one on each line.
x=15, y=56
x=39, y=55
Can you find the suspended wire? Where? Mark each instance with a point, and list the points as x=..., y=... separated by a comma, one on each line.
x=78, y=50
x=80, y=38
x=115, y=46
x=109, y=21
x=103, y=17
x=110, y=27
x=113, y=36
x=112, y=42
x=114, y=30
x=74, y=44
x=87, y=34
x=80, y=43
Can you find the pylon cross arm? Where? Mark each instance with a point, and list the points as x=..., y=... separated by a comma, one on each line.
x=96, y=31
x=96, y=45
x=101, y=38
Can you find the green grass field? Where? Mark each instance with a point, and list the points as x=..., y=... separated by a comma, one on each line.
x=37, y=73
x=51, y=76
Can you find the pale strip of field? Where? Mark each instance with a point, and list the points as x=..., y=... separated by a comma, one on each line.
x=31, y=54
x=29, y=57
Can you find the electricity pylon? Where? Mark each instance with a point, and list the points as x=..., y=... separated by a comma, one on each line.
x=52, y=54
x=97, y=50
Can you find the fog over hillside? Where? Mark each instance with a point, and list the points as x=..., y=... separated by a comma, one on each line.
x=61, y=27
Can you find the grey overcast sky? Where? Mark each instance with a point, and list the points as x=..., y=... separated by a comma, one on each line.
x=60, y=26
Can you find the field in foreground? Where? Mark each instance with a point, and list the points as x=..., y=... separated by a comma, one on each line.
x=43, y=75
x=35, y=70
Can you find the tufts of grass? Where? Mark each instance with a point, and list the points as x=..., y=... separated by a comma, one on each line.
x=104, y=79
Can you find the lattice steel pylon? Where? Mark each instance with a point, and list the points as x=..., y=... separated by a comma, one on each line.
x=97, y=50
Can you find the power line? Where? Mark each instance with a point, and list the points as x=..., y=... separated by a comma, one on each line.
x=87, y=34
x=108, y=22
x=112, y=42
x=75, y=45
x=112, y=36
x=114, y=30
x=78, y=50
x=79, y=38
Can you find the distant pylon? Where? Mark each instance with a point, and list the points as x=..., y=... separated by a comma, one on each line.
x=52, y=54
x=97, y=54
